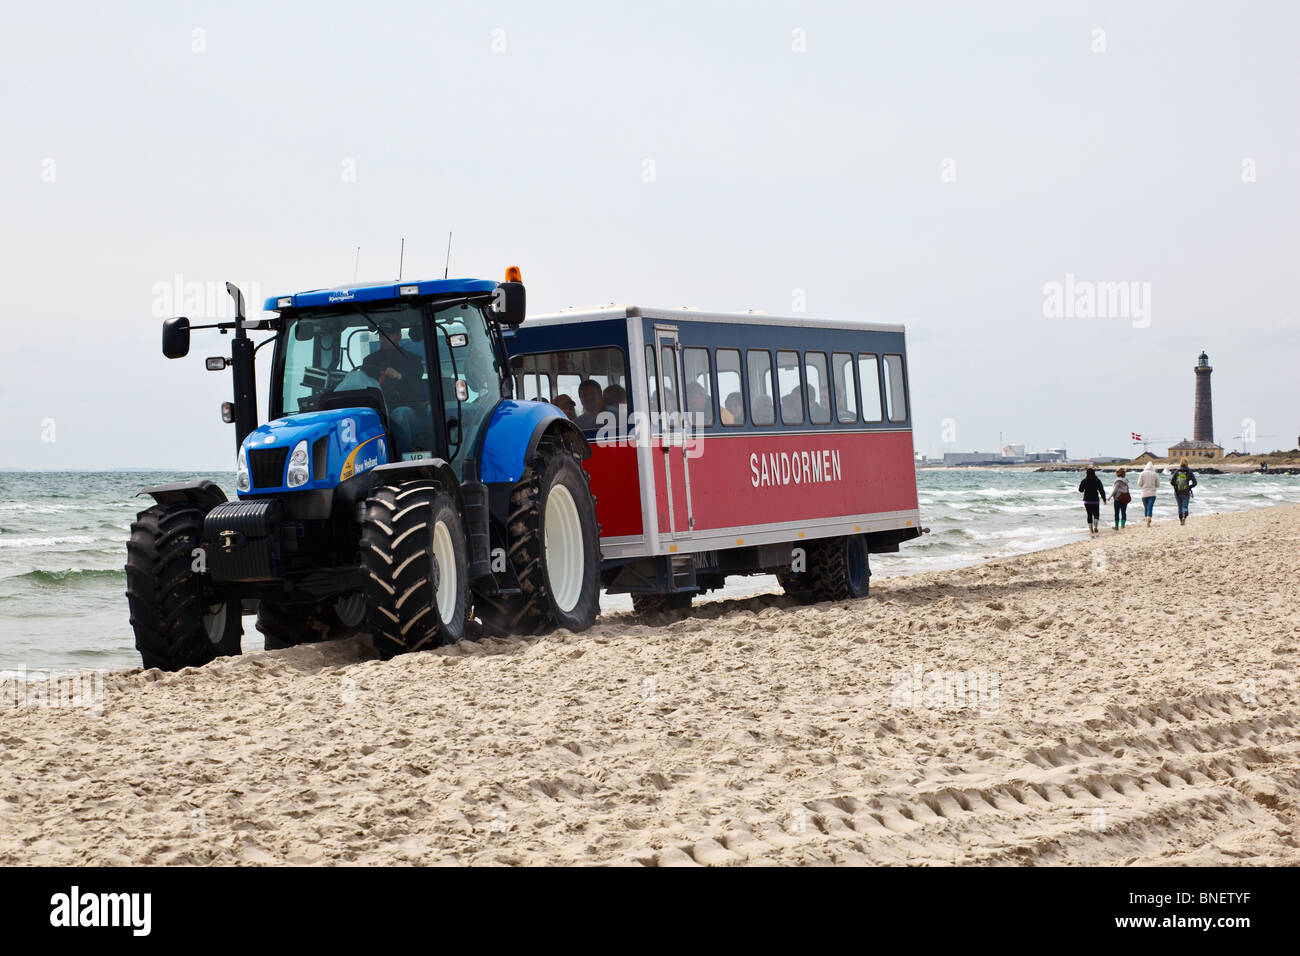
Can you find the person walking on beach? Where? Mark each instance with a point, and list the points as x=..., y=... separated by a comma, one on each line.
x=1120, y=496
x=1183, y=481
x=1092, y=490
x=1148, y=482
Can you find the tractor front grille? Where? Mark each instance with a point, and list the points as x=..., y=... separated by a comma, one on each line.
x=266, y=467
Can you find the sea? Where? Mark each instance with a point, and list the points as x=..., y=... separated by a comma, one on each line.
x=63, y=545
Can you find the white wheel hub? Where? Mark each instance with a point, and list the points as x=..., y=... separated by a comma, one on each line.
x=214, y=622
x=445, y=556
x=351, y=609
x=564, y=548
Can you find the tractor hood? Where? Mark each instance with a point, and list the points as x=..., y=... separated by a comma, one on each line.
x=338, y=443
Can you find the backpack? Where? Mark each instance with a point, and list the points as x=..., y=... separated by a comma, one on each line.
x=1181, y=481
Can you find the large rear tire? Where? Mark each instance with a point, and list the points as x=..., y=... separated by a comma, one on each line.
x=179, y=618
x=838, y=569
x=416, y=571
x=288, y=625
x=554, y=549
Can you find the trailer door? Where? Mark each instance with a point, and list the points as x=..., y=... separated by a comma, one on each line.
x=674, y=500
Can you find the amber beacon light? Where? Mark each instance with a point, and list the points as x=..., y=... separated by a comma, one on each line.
x=513, y=274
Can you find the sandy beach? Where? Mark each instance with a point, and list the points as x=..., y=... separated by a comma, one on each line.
x=1126, y=700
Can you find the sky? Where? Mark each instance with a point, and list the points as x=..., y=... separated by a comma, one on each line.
x=978, y=172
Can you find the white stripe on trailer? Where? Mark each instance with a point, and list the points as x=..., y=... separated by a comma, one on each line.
x=775, y=532
x=692, y=315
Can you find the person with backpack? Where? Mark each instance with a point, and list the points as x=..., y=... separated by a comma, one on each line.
x=1120, y=497
x=1092, y=489
x=1183, y=481
x=1148, y=482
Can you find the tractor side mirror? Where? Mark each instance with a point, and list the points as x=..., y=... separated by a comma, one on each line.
x=508, y=304
x=176, y=337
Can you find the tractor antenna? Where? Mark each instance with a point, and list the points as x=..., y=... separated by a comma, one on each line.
x=447, y=268
x=401, y=259
x=357, y=267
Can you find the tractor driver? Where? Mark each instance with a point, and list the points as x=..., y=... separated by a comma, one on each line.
x=399, y=375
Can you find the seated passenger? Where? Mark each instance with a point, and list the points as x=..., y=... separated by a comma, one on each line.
x=567, y=405
x=733, y=411
x=817, y=413
x=615, y=399
x=698, y=404
x=792, y=407
x=590, y=395
x=763, y=410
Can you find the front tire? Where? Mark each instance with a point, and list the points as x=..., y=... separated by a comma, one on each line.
x=179, y=619
x=416, y=571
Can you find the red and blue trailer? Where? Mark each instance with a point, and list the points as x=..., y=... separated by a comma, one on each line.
x=731, y=444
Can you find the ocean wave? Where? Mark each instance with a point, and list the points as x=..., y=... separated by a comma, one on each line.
x=30, y=542
x=1020, y=509
x=69, y=575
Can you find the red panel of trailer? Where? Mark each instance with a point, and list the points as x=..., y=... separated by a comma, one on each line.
x=753, y=479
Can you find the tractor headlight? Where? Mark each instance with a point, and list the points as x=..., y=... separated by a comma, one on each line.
x=241, y=470
x=298, y=465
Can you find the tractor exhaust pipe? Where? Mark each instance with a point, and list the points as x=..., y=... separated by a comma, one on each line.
x=243, y=367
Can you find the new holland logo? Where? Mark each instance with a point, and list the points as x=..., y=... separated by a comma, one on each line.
x=230, y=540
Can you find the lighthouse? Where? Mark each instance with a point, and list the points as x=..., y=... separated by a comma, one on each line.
x=1202, y=444
x=1203, y=413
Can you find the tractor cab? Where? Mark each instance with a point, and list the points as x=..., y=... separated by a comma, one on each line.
x=425, y=361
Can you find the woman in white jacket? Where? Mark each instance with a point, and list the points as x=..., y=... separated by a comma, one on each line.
x=1120, y=497
x=1148, y=482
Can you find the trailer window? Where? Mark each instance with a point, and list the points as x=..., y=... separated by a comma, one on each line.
x=788, y=379
x=651, y=378
x=761, y=408
x=869, y=380
x=568, y=383
x=846, y=399
x=699, y=385
x=730, y=392
x=819, y=398
x=584, y=383
x=895, y=389
x=532, y=381
x=672, y=394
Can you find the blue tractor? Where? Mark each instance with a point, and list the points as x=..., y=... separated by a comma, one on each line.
x=397, y=489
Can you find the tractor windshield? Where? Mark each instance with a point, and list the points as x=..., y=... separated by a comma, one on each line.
x=471, y=376
x=378, y=358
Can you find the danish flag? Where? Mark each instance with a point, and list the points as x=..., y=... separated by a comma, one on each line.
x=1136, y=436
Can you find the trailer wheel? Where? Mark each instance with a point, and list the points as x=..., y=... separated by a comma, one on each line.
x=416, y=571
x=646, y=604
x=179, y=619
x=554, y=549
x=288, y=625
x=839, y=569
